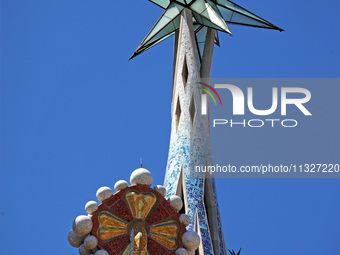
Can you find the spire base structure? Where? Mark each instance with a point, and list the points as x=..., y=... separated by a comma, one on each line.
x=190, y=138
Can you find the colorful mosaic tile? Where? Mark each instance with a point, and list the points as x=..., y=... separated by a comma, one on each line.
x=190, y=140
x=137, y=216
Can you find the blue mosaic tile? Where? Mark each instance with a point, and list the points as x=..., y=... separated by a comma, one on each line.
x=190, y=143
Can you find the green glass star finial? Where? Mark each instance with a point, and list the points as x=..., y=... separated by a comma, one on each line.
x=215, y=14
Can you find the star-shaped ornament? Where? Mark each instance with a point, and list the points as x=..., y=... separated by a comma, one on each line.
x=216, y=14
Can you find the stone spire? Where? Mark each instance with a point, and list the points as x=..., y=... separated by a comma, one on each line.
x=190, y=139
x=195, y=24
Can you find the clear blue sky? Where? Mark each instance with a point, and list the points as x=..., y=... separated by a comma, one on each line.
x=77, y=115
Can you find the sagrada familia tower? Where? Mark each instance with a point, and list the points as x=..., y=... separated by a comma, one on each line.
x=195, y=24
x=144, y=223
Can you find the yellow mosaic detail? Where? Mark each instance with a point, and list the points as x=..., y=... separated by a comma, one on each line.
x=140, y=240
x=110, y=226
x=140, y=204
x=166, y=233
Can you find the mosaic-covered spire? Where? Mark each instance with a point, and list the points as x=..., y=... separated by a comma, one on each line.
x=195, y=23
x=190, y=140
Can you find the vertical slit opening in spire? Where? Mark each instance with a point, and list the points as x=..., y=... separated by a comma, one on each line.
x=192, y=109
x=185, y=73
x=197, y=229
x=178, y=113
x=181, y=192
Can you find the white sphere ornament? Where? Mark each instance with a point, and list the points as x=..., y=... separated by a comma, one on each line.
x=82, y=225
x=90, y=242
x=74, y=239
x=191, y=240
x=176, y=202
x=83, y=250
x=160, y=189
x=120, y=185
x=141, y=176
x=181, y=251
x=185, y=219
x=91, y=207
x=103, y=193
x=101, y=252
